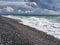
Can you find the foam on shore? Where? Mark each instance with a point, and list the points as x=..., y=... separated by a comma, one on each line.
x=42, y=24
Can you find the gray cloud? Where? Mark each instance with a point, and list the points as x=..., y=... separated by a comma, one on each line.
x=26, y=7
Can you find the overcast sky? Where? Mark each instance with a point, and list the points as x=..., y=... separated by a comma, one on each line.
x=13, y=0
x=37, y=6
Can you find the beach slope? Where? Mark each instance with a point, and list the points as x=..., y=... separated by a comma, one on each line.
x=14, y=33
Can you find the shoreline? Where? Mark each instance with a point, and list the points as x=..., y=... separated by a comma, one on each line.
x=24, y=34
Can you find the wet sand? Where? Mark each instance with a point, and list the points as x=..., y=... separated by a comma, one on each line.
x=14, y=33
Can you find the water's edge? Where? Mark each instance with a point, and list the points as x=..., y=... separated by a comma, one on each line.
x=40, y=23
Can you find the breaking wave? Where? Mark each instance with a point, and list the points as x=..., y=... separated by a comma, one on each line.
x=42, y=24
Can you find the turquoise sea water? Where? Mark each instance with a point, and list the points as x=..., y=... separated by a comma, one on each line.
x=54, y=18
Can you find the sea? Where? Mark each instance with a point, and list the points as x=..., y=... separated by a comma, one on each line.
x=49, y=24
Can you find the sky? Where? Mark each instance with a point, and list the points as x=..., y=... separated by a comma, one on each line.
x=34, y=6
x=13, y=0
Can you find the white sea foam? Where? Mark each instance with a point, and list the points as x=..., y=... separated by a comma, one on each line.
x=42, y=24
x=12, y=17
